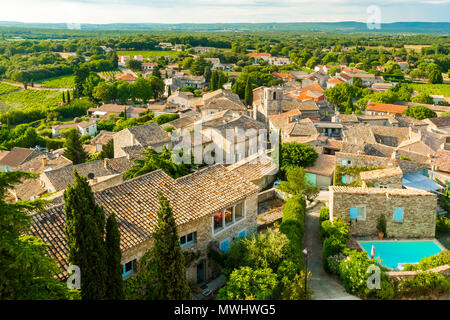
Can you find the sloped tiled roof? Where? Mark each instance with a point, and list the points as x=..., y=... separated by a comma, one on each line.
x=324, y=165
x=148, y=134
x=135, y=204
x=16, y=156
x=440, y=121
x=384, y=107
x=381, y=173
x=442, y=160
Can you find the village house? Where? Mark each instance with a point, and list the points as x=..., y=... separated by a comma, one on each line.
x=279, y=61
x=105, y=110
x=83, y=127
x=381, y=109
x=202, y=50
x=256, y=56
x=182, y=81
x=147, y=135
x=211, y=207
x=220, y=100
x=31, y=189
x=148, y=66
x=127, y=77
x=100, y=174
x=408, y=213
x=321, y=173
x=101, y=139
x=439, y=124
x=17, y=156
x=391, y=178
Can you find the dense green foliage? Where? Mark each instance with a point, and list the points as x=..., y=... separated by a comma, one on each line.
x=297, y=184
x=297, y=155
x=419, y=112
x=27, y=271
x=74, y=148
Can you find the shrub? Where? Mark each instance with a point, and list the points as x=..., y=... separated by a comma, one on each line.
x=443, y=224
x=423, y=284
x=167, y=117
x=353, y=271
x=337, y=229
x=440, y=259
x=249, y=284
x=381, y=224
x=331, y=246
x=333, y=263
x=324, y=214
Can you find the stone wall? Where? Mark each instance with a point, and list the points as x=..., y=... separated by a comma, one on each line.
x=444, y=270
x=122, y=139
x=411, y=166
x=204, y=237
x=419, y=212
x=360, y=160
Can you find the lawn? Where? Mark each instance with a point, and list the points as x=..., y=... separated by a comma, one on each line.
x=32, y=98
x=149, y=54
x=59, y=82
x=5, y=88
x=439, y=89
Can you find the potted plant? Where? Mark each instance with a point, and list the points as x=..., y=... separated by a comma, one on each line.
x=381, y=227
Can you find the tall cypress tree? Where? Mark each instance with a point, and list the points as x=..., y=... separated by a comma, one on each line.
x=74, y=149
x=213, y=81
x=85, y=229
x=68, y=96
x=248, y=98
x=114, y=280
x=63, y=97
x=169, y=259
x=169, y=92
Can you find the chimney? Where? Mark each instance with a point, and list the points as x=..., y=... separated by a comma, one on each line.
x=44, y=161
x=105, y=163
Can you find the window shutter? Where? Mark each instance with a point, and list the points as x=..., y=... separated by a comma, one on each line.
x=225, y=245
x=242, y=233
x=353, y=213
x=398, y=216
x=344, y=162
x=344, y=180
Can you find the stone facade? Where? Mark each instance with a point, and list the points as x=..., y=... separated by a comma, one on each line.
x=361, y=160
x=205, y=238
x=271, y=100
x=419, y=210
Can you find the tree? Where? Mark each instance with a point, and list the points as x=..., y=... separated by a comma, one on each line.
x=248, y=99
x=198, y=66
x=134, y=65
x=435, y=77
x=114, y=290
x=108, y=150
x=420, y=112
x=143, y=89
x=27, y=272
x=213, y=81
x=74, y=149
x=152, y=160
x=297, y=154
x=81, y=74
x=422, y=98
x=157, y=86
x=156, y=72
x=298, y=184
x=68, y=96
x=63, y=97
x=169, y=258
x=169, y=91
x=85, y=229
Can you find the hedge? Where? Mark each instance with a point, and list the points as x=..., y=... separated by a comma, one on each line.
x=293, y=223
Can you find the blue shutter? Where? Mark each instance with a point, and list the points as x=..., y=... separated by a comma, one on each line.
x=398, y=216
x=344, y=180
x=242, y=233
x=344, y=162
x=225, y=245
x=377, y=187
x=353, y=213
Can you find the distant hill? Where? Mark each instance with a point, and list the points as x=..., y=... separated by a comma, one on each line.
x=338, y=27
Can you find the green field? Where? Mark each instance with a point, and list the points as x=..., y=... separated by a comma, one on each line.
x=59, y=82
x=30, y=98
x=149, y=54
x=438, y=89
x=5, y=88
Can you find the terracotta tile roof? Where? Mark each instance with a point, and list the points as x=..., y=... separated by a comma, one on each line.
x=17, y=156
x=416, y=146
x=126, y=77
x=148, y=134
x=3, y=153
x=259, y=55
x=384, y=107
x=312, y=87
x=62, y=177
x=442, y=160
x=285, y=115
x=394, y=192
x=254, y=167
x=381, y=173
x=283, y=76
x=135, y=204
x=334, y=144
x=440, y=121
x=44, y=162
x=334, y=80
x=324, y=165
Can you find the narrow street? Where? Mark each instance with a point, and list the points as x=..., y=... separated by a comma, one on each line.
x=324, y=286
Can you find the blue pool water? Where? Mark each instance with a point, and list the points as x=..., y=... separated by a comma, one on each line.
x=394, y=252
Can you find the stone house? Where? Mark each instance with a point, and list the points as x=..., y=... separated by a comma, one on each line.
x=321, y=173
x=409, y=213
x=17, y=156
x=391, y=178
x=147, y=135
x=212, y=207
x=83, y=127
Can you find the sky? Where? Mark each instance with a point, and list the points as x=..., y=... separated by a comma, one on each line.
x=221, y=11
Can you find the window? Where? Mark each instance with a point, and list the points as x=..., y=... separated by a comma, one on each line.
x=358, y=213
x=187, y=240
x=128, y=268
x=239, y=211
x=228, y=216
x=218, y=221
x=344, y=162
x=398, y=215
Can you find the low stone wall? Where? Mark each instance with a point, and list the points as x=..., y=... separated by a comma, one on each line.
x=272, y=194
x=444, y=270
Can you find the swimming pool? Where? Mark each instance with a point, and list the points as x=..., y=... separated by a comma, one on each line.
x=393, y=253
